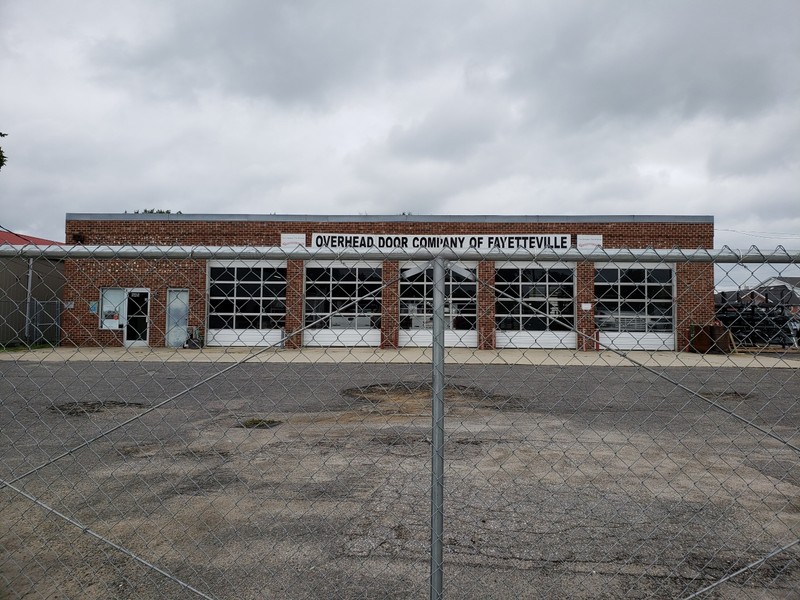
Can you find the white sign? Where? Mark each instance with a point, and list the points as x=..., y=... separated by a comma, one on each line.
x=435, y=242
x=292, y=240
x=587, y=242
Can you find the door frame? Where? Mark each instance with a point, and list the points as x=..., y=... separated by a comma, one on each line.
x=136, y=343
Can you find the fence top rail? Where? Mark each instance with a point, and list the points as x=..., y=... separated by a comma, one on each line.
x=645, y=255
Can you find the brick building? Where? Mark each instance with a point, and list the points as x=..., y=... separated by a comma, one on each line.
x=386, y=303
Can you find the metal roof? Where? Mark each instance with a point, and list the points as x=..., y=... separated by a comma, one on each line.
x=19, y=239
x=394, y=218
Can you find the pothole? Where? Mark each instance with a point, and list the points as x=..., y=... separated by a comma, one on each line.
x=399, y=438
x=729, y=396
x=79, y=409
x=258, y=423
x=414, y=398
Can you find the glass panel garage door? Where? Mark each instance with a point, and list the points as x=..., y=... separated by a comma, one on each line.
x=535, y=306
x=416, y=305
x=246, y=303
x=343, y=304
x=635, y=307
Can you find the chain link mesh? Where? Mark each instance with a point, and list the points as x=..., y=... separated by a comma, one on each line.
x=244, y=423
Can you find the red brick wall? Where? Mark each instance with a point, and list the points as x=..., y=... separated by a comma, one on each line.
x=584, y=294
x=295, y=309
x=694, y=285
x=268, y=233
x=390, y=298
x=86, y=278
x=694, y=298
x=486, y=305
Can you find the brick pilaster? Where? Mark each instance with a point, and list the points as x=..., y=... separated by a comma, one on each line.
x=295, y=288
x=390, y=300
x=486, y=306
x=584, y=294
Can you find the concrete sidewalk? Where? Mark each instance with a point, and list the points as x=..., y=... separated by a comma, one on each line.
x=789, y=359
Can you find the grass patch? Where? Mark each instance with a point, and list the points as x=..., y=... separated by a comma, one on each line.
x=25, y=347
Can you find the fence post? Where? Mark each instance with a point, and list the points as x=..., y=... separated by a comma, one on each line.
x=437, y=431
x=28, y=307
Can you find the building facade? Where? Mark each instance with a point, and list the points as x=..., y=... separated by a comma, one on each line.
x=386, y=303
x=30, y=295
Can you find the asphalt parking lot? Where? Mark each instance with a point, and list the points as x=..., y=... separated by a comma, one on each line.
x=572, y=480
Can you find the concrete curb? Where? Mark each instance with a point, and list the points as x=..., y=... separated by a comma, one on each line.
x=778, y=360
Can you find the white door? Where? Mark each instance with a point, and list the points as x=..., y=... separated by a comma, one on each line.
x=177, y=318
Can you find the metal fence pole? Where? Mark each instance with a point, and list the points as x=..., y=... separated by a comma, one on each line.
x=28, y=307
x=437, y=433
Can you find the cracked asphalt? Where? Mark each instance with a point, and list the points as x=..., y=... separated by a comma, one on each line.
x=560, y=481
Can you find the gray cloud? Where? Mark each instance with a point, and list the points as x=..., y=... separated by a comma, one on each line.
x=757, y=148
x=639, y=60
x=295, y=52
x=358, y=106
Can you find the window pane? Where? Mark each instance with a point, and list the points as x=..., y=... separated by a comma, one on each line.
x=630, y=292
x=506, y=307
x=534, y=324
x=220, y=322
x=248, y=274
x=659, y=293
x=221, y=290
x=221, y=305
x=609, y=292
x=606, y=276
x=533, y=308
x=373, y=290
x=369, y=306
x=343, y=274
x=248, y=306
x=318, y=305
x=662, y=309
x=561, y=291
x=463, y=290
x=248, y=290
x=561, y=324
x=464, y=322
x=272, y=322
x=562, y=309
x=273, y=306
x=274, y=274
x=632, y=307
x=506, y=275
x=633, y=275
x=412, y=291
x=318, y=290
x=535, y=291
x=662, y=324
x=274, y=290
x=222, y=274
x=343, y=290
x=507, y=323
x=246, y=321
x=561, y=275
x=370, y=274
x=317, y=274
x=112, y=308
x=660, y=276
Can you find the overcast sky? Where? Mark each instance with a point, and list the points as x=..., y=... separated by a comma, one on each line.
x=369, y=107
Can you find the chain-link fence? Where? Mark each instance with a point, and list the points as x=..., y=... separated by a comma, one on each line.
x=266, y=423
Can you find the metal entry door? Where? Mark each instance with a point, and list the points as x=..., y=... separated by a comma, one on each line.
x=177, y=318
x=138, y=309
